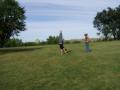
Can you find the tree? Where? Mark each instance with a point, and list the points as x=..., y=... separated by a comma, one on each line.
x=100, y=23
x=98, y=34
x=107, y=22
x=12, y=17
x=14, y=42
x=118, y=21
x=52, y=39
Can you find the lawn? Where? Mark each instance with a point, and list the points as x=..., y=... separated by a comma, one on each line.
x=43, y=68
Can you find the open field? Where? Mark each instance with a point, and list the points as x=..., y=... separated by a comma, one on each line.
x=43, y=68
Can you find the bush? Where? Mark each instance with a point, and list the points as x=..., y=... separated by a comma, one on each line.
x=30, y=44
x=67, y=42
x=14, y=43
x=75, y=41
x=43, y=43
x=52, y=40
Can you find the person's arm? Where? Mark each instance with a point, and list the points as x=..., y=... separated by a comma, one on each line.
x=89, y=40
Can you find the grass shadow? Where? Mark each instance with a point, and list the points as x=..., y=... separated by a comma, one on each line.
x=17, y=49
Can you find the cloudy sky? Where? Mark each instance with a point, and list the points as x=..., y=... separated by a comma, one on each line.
x=73, y=17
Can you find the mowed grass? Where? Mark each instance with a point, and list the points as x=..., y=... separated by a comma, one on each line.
x=43, y=68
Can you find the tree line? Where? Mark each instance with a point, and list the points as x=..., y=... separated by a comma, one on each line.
x=15, y=42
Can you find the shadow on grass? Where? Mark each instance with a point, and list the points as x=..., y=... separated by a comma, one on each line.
x=17, y=49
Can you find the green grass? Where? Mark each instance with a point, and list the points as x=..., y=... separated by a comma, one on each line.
x=43, y=68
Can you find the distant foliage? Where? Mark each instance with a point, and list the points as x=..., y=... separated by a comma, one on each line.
x=67, y=42
x=30, y=44
x=14, y=43
x=75, y=41
x=52, y=40
x=43, y=43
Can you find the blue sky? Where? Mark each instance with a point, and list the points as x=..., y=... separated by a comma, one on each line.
x=73, y=17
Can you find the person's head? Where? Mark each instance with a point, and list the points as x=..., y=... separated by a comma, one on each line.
x=86, y=35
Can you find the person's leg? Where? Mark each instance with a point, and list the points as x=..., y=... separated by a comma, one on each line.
x=62, y=52
x=62, y=49
x=85, y=47
x=89, y=49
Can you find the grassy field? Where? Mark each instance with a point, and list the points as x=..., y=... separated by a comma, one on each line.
x=43, y=68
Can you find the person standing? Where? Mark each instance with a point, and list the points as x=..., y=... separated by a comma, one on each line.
x=87, y=43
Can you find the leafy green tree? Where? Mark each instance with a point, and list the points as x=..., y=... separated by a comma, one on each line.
x=107, y=22
x=52, y=39
x=100, y=23
x=14, y=42
x=12, y=17
x=98, y=34
x=118, y=22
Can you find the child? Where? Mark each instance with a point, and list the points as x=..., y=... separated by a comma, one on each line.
x=61, y=44
x=87, y=41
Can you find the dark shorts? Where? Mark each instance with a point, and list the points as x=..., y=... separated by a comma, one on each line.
x=61, y=46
